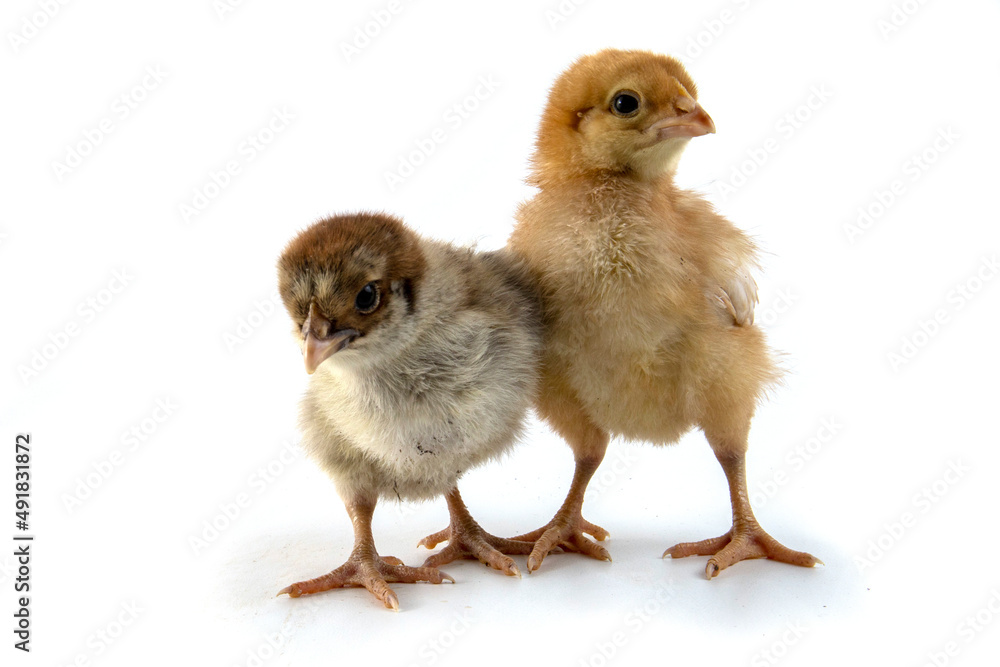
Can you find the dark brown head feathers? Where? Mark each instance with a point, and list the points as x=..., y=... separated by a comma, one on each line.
x=331, y=262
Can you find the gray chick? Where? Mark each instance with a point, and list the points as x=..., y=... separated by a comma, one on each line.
x=424, y=362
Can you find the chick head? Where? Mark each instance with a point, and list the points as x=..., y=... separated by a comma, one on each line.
x=347, y=282
x=620, y=112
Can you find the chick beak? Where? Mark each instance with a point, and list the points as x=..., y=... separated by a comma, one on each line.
x=322, y=340
x=694, y=122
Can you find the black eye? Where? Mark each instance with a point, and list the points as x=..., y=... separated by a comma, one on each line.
x=625, y=104
x=367, y=299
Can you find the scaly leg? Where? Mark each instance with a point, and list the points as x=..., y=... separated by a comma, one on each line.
x=746, y=539
x=567, y=527
x=365, y=567
x=466, y=539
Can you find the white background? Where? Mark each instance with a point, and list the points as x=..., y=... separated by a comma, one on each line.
x=194, y=326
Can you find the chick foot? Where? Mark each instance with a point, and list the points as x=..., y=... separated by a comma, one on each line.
x=744, y=543
x=475, y=543
x=746, y=539
x=374, y=573
x=566, y=531
x=467, y=539
x=365, y=567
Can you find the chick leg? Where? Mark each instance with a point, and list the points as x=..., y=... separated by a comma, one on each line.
x=365, y=567
x=466, y=539
x=746, y=539
x=566, y=529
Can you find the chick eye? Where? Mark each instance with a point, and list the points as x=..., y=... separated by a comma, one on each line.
x=625, y=104
x=367, y=299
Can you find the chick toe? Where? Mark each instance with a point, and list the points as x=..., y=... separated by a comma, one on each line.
x=467, y=539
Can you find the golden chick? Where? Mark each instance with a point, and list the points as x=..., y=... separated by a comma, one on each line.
x=424, y=361
x=647, y=293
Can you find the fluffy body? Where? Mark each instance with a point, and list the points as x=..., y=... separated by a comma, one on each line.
x=638, y=335
x=443, y=387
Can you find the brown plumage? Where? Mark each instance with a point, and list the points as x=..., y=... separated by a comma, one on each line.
x=424, y=361
x=647, y=292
